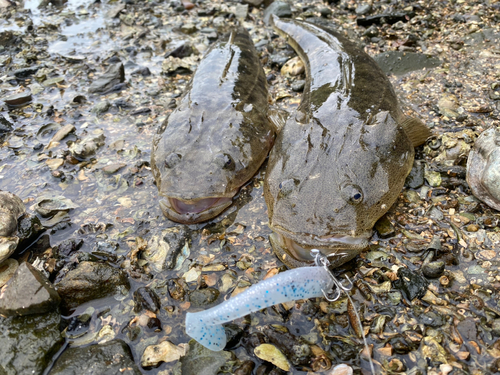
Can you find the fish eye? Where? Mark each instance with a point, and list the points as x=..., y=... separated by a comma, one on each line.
x=225, y=161
x=351, y=193
x=172, y=160
x=286, y=187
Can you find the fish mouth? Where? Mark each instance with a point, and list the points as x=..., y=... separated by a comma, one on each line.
x=339, y=248
x=194, y=211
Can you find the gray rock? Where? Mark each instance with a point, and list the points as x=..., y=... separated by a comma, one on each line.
x=88, y=146
x=28, y=343
x=279, y=9
x=200, y=360
x=203, y=297
x=111, y=358
x=49, y=206
x=363, y=9
x=88, y=281
x=114, y=75
x=399, y=63
x=28, y=292
x=101, y=107
x=298, y=86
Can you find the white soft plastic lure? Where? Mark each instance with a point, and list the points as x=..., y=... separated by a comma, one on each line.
x=299, y=283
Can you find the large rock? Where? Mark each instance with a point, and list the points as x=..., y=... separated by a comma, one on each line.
x=28, y=292
x=28, y=343
x=88, y=281
x=114, y=75
x=111, y=358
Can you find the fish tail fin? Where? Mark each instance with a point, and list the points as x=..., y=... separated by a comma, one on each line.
x=416, y=130
x=211, y=336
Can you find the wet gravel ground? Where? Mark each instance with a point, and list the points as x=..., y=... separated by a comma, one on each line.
x=426, y=290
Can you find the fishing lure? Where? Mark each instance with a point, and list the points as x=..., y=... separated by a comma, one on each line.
x=299, y=283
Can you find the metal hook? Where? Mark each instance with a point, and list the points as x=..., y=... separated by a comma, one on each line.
x=322, y=261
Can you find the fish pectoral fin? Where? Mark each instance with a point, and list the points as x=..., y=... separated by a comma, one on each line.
x=416, y=130
x=277, y=117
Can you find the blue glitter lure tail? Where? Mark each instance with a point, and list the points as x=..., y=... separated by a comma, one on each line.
x=300, y=283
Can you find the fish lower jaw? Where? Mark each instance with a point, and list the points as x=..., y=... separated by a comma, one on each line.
x=193, y=211
x=339, y=249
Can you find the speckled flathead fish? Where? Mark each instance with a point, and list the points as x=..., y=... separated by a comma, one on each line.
x=218, y=136
x=341, y=159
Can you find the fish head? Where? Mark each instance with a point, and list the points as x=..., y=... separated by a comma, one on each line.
x=197, y=173
x=325, y=188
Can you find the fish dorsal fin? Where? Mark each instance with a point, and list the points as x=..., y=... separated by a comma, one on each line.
x=416, y=130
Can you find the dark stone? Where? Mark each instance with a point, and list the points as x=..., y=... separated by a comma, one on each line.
x=5, y=125
x=154, y=324
x=371, y=32
x=145, y=298
x=176, y=237
x=114, y=75
x=254, y=3
x=467, y=329
x=384, y=227
x=203, y=297
x=295, y=348
x=416, y=177
x=431, y=319
x=182, y=50
x=142, y=71
x=390, y=18
x=67, y=247
x=111, y=358
x=29, y=229
x=29, y=342
x=140, y=111
x=200, y=360
x=28, y=292
x=17, y=100
x=88, y=281
x=399, y=63
x=433, y=270
x=325, y=12
x=116, y=88
x=412, y=284
x=26, y=72
x=234, y=334
x=246, y=368
x=279, y=9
